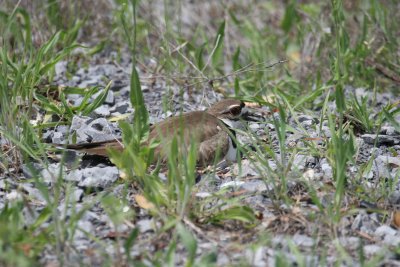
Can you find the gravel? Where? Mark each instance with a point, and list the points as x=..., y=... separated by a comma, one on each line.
x=284, y=224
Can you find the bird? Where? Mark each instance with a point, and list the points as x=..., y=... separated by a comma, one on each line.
x=213, y=130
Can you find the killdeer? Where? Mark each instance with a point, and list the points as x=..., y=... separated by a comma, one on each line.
x=213, y=129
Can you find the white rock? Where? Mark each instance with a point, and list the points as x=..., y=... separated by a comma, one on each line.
x=14, y=195
x=385, y=230
x=389, y=160
x=231, y=184
x=51, y=173
x=303, y=118
x=102, y=111
x=309, y=175
x=60, y=67
x=145, y=225
x=299, y=161
x=350, y=242
x=392, y=240
x=99, y=177
x=303, y=240
x=74, y=176
x=326, y=168
x=372, y=250
x=84, y=228
x=203, y=194
x=254, y=186
x=256, y=257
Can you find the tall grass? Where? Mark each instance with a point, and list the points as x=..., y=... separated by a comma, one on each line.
x=24, y=68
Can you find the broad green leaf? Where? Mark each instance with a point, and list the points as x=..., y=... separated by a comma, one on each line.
x=235, y=60
x=199, y=57
x=67, y=108
x=237, y=86
x=130, y=241
x=240, y=213
x=98, y=101
x=46, y=104
x=290, y=17
x=218, y=48
x=44, y=215
x=141, y=117
x=190, y=243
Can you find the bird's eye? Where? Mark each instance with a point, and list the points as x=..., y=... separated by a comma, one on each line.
x=235, y=111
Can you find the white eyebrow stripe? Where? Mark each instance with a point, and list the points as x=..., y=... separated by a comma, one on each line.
x=233, y=106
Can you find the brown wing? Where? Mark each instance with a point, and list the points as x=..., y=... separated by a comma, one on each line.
x=195, y=126
x=213, y=150
x=207, y=130
x=98, y=148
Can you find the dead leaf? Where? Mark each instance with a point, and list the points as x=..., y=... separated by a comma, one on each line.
x=143, y=202
x=396, y=218
x=252, y=105
x=259, y=215
x=294, y=58
x=123, y=175
x=115, y=234
x=119, y=117
x=26, y=248
x=269, y=98
x=296, y=210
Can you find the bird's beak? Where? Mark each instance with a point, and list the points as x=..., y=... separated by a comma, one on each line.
x=249, y=114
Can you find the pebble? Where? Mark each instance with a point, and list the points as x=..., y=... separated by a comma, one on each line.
x=367, y=223
x=326, y=168
x=74, y=176
x=77, y=195
x=60, y=67
x=203, y=195
x=385, y=230
x=350, y=242
x=303, y=118
x=307, y=124
x=110, y=99
x=57, y=138
x=254, y=126
x=383, y=165
x=394, y=198
x=13, y=196
x=93, y=130
x=31, y=170
x=84, y=228
x=254, y=186
x=232, y=184
x=145, y=225
x=392, y=240
x=387, y=160
x=102, y=111
x=372, y=250
x=381, y=139
x=255, y=257
x=34, y=193
x=51, y=173
x=299, y=161
x=99, y=177
x=303, y=240
x=388, y=130
x=120, y=108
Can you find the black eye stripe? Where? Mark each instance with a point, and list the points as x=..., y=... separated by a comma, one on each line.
x=235, y=110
